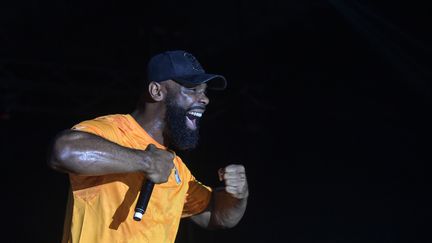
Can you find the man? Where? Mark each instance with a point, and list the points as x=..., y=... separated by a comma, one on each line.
x=109, y=158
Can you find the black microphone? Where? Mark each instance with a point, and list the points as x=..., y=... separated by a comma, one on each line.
x=143, y=199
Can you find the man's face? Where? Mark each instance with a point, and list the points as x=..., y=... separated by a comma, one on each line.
x=185, y=107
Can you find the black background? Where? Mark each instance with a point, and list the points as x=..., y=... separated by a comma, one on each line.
x=327, y=107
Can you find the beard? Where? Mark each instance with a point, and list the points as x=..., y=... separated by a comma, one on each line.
x=178, y=135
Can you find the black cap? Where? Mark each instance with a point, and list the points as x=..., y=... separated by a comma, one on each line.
x=183, y=68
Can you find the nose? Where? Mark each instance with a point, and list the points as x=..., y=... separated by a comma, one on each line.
x=203, y=99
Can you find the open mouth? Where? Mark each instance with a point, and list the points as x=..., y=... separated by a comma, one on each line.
x=192, y=118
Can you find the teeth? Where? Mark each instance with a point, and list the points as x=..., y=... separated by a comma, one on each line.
x=197, y=114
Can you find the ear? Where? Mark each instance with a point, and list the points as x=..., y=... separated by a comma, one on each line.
x=156, y=91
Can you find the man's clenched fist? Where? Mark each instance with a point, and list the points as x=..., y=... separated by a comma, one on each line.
x=235, y=180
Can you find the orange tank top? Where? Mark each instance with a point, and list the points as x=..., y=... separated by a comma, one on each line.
x=101, y=208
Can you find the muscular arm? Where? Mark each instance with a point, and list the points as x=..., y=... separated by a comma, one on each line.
x=83, y=153
x=228, y=204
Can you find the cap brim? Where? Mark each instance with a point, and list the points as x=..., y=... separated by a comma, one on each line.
x=214, y=81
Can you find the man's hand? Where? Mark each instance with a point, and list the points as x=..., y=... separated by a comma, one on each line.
x=235, y=180
x=159, y=164
x=229, y=203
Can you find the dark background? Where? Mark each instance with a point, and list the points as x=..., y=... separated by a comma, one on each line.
x=327, y=107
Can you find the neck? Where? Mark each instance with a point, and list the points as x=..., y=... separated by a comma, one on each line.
x=151, y=119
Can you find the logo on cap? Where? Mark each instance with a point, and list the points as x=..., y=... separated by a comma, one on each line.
x=194, y=62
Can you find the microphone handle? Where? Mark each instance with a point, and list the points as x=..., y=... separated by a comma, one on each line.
x=143, y=199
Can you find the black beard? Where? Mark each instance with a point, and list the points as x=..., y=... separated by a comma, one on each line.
x=177, y=134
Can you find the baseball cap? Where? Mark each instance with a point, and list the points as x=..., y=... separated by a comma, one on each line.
x=184, y=68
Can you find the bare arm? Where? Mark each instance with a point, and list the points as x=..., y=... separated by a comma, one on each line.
x=229, y=203
x=83, y=153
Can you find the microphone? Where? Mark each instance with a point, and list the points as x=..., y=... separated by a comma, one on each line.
x=143, y=199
